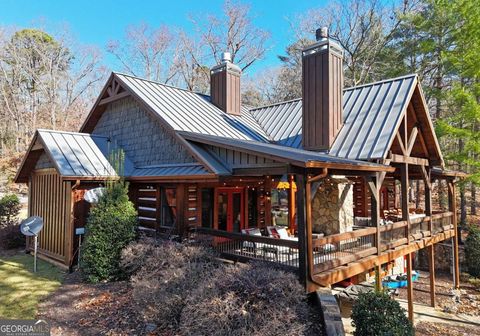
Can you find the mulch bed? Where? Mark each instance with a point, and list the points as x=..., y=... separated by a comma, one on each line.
x=77, y=308
x=436, y=329
x=463, y=301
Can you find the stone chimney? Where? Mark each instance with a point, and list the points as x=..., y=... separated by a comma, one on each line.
x=225, y=85
x=322, y=91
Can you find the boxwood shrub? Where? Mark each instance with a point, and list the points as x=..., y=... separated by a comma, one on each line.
x=472, y=251
x=110, y=227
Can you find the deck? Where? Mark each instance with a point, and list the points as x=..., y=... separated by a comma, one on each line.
x=336, y=257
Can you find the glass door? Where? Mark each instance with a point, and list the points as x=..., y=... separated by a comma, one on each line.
x=230, y=205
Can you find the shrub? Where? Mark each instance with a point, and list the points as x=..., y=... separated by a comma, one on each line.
x=252, y=299
x=186, y=290
x=110, y=227
x=9, y=210
x=375, y=313
x=11, y=237
x=472, y=251
x=167, y=275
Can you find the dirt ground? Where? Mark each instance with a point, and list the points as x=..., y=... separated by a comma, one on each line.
x=77, y=308
x=466, y=300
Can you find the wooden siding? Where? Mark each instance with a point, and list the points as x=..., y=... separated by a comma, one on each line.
x=144, y=140
x=322, y=87
x=50, y=198
x=362, y=197
x=237, y=159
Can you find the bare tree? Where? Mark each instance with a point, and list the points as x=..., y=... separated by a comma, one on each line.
x=43, y=85
x=363, y=28
x=233, y=31
x=147, y=52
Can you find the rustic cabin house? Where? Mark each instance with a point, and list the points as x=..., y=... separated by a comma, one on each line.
x=318, y=184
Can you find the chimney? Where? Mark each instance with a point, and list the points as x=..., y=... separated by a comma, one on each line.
x=322, y=91
x=225, y=85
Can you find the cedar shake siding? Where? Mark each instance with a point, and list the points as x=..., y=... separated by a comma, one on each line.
x=144, y=140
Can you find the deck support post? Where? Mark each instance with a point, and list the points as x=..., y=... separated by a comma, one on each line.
x=301, y=228
x=409, y=287
x=430, y=249
x=452, y=202
x=431, y=266
x=375, y=184
x=404, y=184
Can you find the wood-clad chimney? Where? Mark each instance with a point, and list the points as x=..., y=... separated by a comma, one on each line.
x=322, y=90
x=225, y=85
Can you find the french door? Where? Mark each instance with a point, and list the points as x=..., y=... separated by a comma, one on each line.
x=230, y=205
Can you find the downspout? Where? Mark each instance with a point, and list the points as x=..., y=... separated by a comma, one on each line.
x=308, y=193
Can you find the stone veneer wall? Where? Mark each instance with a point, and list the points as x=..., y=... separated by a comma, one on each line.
x=332, y=206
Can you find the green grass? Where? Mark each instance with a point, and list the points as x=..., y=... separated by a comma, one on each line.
x=21, y=289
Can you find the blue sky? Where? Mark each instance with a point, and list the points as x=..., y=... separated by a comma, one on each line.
x=96, y=22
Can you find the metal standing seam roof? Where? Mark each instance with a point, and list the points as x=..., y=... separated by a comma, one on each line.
x=371, y=114
x=281, y=153
x=78, y=154
x=187, y=169
x=192, y=112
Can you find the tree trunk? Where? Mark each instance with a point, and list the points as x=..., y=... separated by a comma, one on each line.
x=473, y=201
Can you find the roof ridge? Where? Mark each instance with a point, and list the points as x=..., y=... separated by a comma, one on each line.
x=69, y=132
x=380, y=82
x=159, y=83
x=275, y=104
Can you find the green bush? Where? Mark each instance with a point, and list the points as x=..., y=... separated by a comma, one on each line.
x=11, y=237
x=9, y=210
x=375, y=313
x=472, y=251
x=110, y=227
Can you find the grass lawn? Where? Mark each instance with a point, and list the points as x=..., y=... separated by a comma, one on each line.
x=21, y=289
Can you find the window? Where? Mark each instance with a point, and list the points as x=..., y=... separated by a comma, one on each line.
x=207, y=207
x=169, y=206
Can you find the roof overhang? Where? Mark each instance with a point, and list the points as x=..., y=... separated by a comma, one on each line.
x=291, y=156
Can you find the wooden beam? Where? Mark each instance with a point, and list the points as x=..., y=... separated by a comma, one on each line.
x=113, y=98
x=452, y=201
x=411, y=141
x=400, y=143
x=409, y=287
x=291, y=203
x=375, y=210
x=404, y=184
x=431, y=266
x=301, y=229
x=426, y=177
x=396, y=158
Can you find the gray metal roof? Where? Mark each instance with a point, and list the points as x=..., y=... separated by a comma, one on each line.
x=371, y=114
x=192, y=112
x=281, y=153
x=77, y=154
x=186, y=169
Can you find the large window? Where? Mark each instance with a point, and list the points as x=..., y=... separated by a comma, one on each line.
x=169, y=206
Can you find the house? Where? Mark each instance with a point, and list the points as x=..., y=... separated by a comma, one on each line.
x=333, y=167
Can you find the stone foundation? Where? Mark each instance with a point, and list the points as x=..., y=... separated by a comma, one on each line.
x=332, y=206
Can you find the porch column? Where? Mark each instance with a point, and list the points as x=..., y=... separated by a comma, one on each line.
x=406, y=217
x=430, y=249
x=452, y=203
x=374, y=185
x=291, y=203
x=301, y=229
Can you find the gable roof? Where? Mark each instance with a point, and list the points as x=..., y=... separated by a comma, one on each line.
x=372, y=114
x=185, y=110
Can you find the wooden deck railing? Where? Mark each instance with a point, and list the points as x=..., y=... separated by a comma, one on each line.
x=343, y=248
x=241, y=246
x=327, y=252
